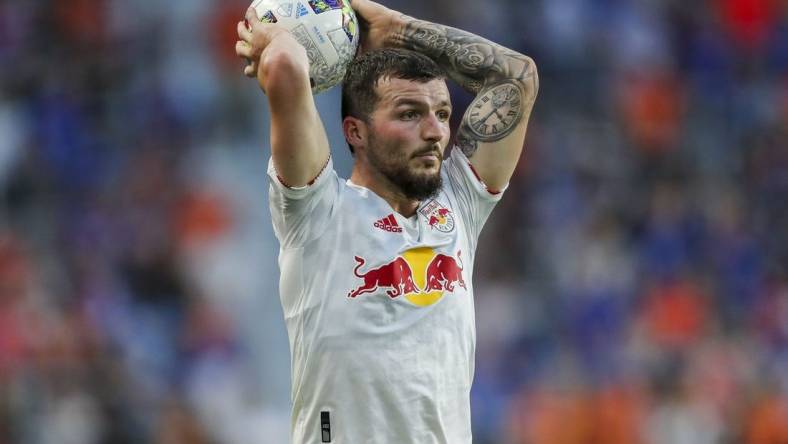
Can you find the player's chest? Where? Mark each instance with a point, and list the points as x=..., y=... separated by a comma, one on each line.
x=419, y=259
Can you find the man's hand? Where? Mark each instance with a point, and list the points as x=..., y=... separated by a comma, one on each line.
x=379, y=24
x=255, y=37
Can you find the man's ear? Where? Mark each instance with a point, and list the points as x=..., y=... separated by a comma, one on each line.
x=355, y=131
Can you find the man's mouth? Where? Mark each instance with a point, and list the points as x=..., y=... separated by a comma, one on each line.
x=431, y=154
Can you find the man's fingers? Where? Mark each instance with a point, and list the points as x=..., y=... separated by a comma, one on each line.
x=244, y=50
x=360, y=6
x=250, y=70
x=244, y=33
x=366, y=7
x=251, y=16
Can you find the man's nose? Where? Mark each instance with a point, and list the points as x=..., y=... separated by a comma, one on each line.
x=433, y=129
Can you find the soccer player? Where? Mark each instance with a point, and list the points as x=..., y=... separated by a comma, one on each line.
x=376, y=283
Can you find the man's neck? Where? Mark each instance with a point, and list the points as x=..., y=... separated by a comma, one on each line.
x=380, y=185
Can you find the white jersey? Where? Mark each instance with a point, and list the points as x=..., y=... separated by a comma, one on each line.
x=379, y=308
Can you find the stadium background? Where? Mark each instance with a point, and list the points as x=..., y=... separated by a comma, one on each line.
x=632, y=287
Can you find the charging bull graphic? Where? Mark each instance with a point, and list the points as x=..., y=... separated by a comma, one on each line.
x=396, y=275
x=443, y=272
x=420, y=275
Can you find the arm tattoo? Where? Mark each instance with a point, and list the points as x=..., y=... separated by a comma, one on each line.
x=504, y=81
x=493, y=115
x=468, y=59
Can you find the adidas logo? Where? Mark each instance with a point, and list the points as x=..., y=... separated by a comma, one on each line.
x=388, y=223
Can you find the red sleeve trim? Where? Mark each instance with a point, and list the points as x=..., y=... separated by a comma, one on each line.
x=475, y=173
x=282, y=181
x=310, y=183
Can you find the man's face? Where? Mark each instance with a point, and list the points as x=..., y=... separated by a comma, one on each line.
x=409, y=132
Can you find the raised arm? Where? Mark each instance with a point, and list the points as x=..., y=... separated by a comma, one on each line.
x=505, y=82
x=299, y=145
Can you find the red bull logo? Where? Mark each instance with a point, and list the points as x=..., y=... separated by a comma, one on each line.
x=419, y=275
x=438, y=217
x=396, y=276
x=444, y=272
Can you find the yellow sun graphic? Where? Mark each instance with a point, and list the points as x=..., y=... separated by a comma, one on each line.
x=419, y=259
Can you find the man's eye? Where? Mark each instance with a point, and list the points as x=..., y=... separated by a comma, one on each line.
x=444, y=115
x=409, y=115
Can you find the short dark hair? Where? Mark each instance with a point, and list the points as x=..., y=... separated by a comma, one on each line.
x=358, y=88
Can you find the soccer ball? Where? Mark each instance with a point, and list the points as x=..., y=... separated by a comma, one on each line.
x=328, y=29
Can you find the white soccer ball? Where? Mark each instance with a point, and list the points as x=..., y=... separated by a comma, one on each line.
x=328, y=29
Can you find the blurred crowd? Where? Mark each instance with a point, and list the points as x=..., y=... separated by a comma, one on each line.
x=631, y=287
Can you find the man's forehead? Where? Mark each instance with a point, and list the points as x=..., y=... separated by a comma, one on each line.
x=395, y=90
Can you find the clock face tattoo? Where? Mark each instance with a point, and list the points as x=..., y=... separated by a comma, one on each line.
x=496, y=112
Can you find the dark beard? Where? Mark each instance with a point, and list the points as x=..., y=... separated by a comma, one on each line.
x=397, y=172
x=413, y=186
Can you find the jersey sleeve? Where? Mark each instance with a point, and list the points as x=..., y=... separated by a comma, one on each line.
x=300, y=214
x=472, y=197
